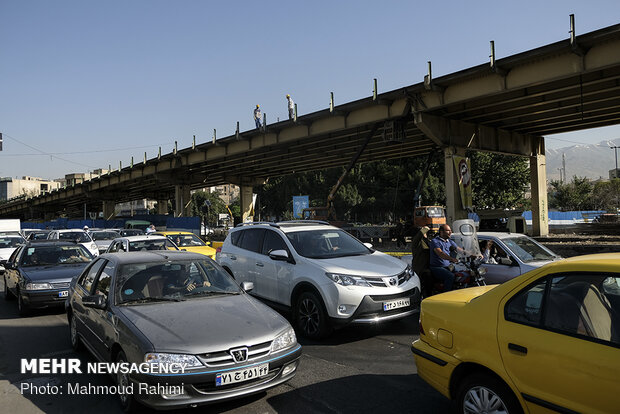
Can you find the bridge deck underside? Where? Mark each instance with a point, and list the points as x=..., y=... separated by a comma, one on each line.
x=582, y=101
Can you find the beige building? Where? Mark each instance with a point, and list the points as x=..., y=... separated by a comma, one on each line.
x=228, y=192
x=79, y=178
x=28, y=186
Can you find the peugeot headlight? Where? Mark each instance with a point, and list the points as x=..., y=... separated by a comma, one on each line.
x=283, y=341
x=38, y=286
x=165, y=359
x=347, y=280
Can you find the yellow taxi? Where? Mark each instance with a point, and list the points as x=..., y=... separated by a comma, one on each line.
x=546, y=341
x=185, y=240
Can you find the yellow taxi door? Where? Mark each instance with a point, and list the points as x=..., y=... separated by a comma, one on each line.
x=555, y=370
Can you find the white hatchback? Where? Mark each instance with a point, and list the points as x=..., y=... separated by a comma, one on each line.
x=325, y=276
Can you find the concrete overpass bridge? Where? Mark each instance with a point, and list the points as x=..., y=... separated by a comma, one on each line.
x=504, y=106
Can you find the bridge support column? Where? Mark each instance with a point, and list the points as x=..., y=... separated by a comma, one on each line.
x=454, y=207
x=162, y=206
x=246, y=200
x=182, y=198
x=108, y=209
x=540, y=209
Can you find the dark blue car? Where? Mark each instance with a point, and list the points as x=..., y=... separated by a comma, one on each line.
x=38, y=273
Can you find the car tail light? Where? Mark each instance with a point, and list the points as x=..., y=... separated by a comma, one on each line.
x=218, y=250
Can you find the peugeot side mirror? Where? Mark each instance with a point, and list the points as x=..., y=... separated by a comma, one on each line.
x=94, y=301
x=247, y=286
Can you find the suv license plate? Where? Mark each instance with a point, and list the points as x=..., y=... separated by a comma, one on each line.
x=241, y=375
x=395, y=304
x=63, y=294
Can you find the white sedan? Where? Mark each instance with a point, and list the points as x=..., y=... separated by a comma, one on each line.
x=512, y=254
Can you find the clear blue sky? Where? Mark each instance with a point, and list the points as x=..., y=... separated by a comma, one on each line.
x=94, y=83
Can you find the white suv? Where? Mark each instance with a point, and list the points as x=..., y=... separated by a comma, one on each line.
x=323, y=274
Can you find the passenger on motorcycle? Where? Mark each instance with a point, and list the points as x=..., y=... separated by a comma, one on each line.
x=440, y=248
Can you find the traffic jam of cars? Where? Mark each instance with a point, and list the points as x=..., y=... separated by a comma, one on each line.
x=522, y=330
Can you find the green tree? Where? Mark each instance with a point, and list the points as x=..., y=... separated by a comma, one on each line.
x=384, y=190
x=216, y=207
x=573, y=196
x=499, y=181
x=606, y=195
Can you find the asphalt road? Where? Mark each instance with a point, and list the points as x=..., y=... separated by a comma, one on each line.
x=357, y=370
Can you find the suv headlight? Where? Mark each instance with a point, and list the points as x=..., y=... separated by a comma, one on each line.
x=283, y=341
x=38, y=286
x=408, y=273
x=164, y=359
x=347, y=280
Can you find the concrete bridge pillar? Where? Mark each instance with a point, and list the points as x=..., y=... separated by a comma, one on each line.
x=182, y=199
x=247, y=203
x=454, y=207
x=108, y=209
x=540, y=208
x=162, y=206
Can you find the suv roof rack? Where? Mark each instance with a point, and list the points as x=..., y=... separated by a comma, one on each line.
x=251, y=223
x=312, y=222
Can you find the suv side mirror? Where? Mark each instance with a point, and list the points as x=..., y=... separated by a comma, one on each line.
x=247, y=286
x=281, y=255
x=94, y=301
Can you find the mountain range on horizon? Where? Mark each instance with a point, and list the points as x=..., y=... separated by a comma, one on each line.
x=593, y=161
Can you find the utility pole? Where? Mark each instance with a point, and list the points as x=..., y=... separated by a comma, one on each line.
x=564, y=166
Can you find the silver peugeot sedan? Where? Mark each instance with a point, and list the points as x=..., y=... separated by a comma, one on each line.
x=171, y=308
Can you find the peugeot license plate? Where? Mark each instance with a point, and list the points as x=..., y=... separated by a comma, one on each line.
x=395, y=304
x=63, y=294
x=225, y=378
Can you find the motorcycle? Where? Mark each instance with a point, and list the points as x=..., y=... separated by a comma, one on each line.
x=468, y=271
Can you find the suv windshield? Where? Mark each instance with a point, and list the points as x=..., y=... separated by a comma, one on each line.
x=51, y=255
x=327, y=243
x=528, y=250
x=141, y=282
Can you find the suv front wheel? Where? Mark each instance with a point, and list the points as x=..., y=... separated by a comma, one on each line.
x=311, y=317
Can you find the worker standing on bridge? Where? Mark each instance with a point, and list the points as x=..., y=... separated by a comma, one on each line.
x=291, y=106
x=257, y=116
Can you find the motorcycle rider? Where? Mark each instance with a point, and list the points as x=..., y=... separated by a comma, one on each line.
x=440, y=257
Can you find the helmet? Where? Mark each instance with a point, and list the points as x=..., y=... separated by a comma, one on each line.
x=258, y=106
x=85, y=227
x=288, y=96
